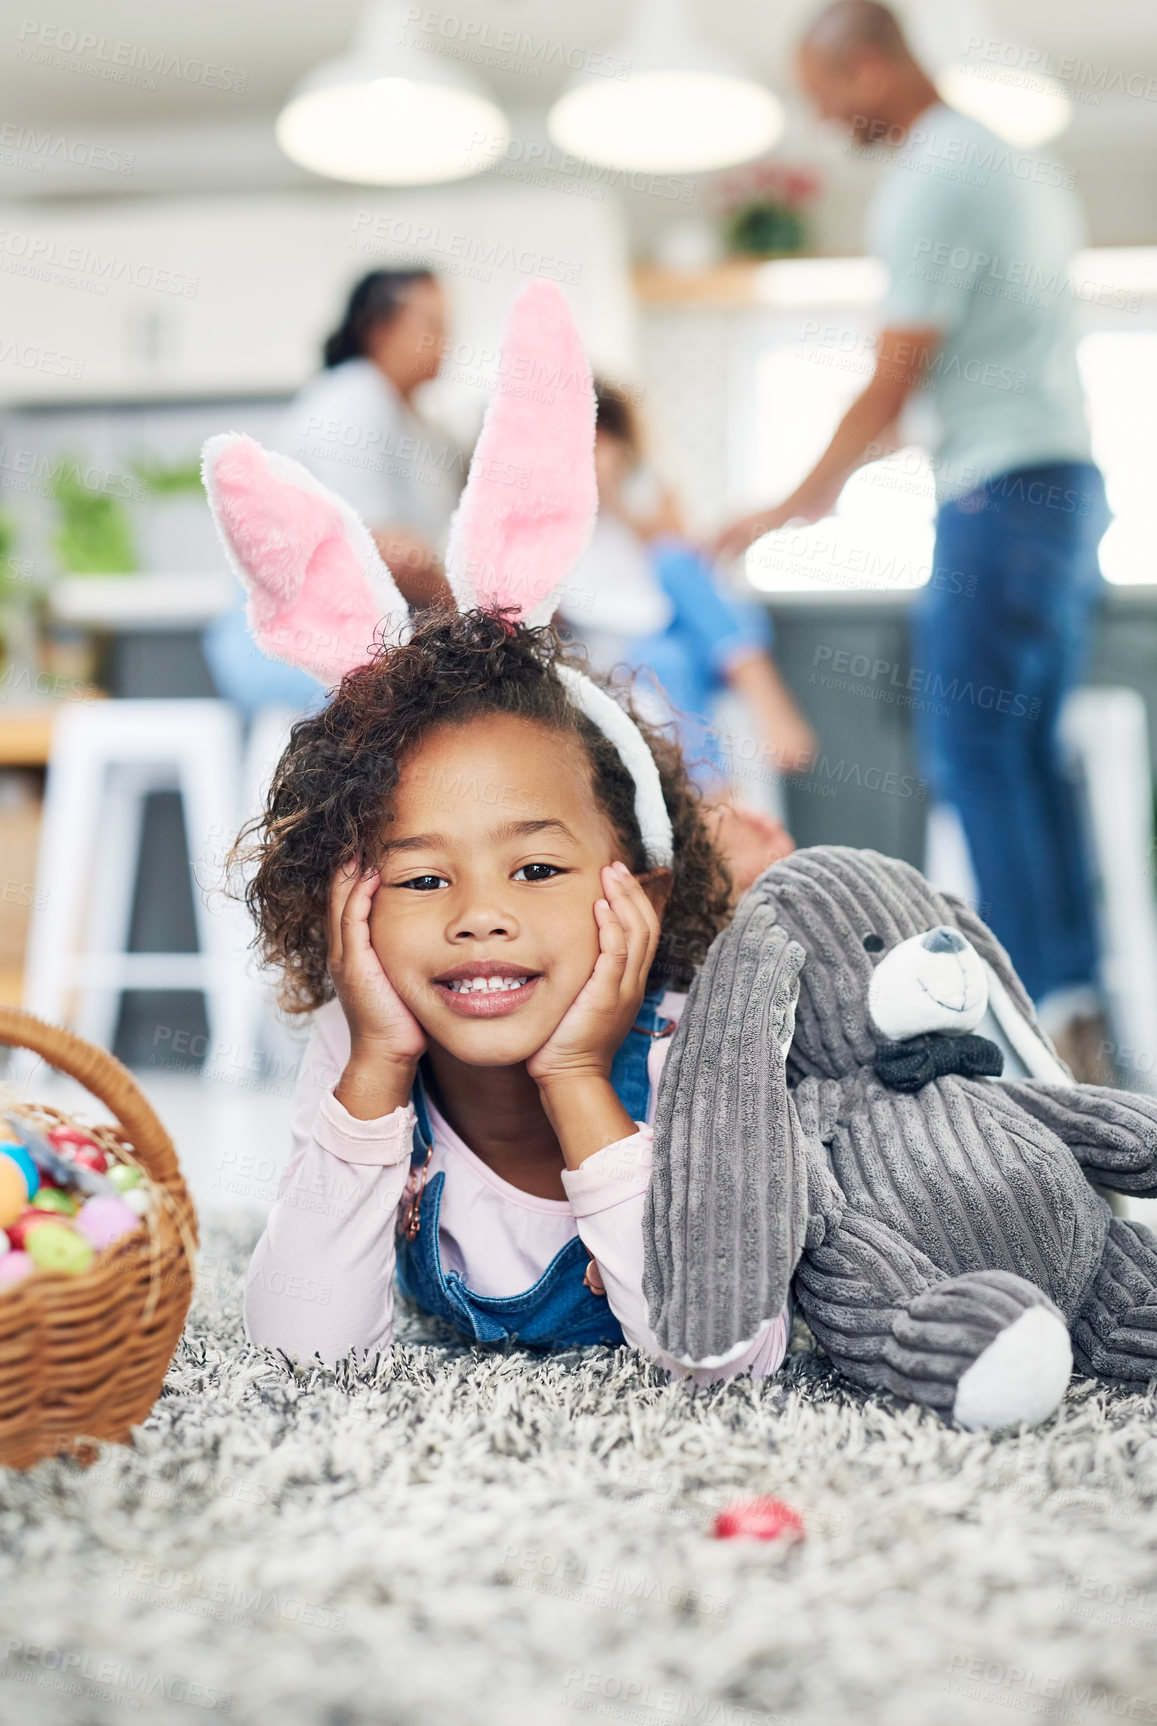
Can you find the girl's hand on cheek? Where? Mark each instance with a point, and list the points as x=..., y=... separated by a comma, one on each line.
x=379, y=1021
x=589, y=1034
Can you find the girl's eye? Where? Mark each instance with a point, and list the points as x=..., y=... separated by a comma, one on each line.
x=536, y=872
x=424, y=883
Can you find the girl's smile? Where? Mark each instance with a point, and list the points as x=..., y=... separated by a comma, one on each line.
x=486, y=988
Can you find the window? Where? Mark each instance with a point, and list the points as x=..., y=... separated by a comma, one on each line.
x=880, y=536
x=800, y=380
x=1119, y=372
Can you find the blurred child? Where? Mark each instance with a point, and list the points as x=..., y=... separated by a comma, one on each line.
x=644, y=596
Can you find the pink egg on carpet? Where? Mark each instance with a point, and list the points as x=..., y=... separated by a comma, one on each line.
x=14, y=1267
x=105, y=1219
x=759, y=1519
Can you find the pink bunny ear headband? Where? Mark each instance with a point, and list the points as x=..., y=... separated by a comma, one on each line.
x=319, y=593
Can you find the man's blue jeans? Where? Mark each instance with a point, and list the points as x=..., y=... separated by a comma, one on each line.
x=1000, y=634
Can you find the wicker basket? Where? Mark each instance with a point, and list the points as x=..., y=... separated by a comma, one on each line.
x=83, y=1357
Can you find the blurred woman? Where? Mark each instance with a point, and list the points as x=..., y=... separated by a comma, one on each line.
x=355, y=426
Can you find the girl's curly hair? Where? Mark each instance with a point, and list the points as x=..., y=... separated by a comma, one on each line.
x=335, y=780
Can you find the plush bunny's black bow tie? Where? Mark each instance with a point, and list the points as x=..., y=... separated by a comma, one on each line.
x=909, y=1065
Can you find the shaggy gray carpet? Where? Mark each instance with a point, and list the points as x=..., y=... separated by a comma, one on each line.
x=447, y=1537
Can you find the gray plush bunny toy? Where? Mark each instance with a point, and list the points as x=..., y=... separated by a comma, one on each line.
x=829, y=1121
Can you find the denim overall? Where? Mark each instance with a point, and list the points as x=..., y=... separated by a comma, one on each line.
x=558, y=1311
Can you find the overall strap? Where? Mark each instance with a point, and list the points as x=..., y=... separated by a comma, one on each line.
x=422, y=1133
x=630, y=1073
x=410, y=1214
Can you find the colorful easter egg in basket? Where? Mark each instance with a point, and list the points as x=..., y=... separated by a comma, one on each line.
x=17, y=1154
x=53, y=1246
x=124, y=1177
x=96, y=1272
x=14, y=1267
x=90, y=1157
x=55, y=1199
x=30, y=1215
x=13, y=1191
x=103, y=1220
x=65, y=1134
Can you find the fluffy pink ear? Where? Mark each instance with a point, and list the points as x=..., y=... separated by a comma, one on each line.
x=529, y=505
x=318, y=590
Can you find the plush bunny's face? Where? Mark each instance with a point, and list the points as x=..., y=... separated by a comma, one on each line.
x=888, y=956
x=930, y=982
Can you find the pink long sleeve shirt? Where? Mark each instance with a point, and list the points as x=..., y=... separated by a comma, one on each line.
x=321, y=1280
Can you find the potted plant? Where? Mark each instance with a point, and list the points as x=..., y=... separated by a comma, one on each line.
x=20, y=604
x=94, y=532
x=764, y=209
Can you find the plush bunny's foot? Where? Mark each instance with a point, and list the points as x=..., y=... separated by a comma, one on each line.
x=1115, y=1332
x=997, y=1342
x=988, y=1347
x=1019, y=1377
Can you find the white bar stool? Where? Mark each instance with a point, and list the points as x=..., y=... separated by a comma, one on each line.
x=106, y=758
x=268, y=737
x=280, y=1044
x=1105, y=733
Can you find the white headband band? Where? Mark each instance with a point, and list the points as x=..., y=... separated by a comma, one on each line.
x=620, y=729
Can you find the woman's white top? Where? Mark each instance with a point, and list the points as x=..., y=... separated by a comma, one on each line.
x=355, y=433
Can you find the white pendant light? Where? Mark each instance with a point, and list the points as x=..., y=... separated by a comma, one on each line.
x=391, y=114
x=983, y=74
x=1023, y=108
x=683, y=108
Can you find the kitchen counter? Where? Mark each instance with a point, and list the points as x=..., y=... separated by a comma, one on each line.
x=844, y=653
x=176, y=602
x=145, y=603
x=847, y=660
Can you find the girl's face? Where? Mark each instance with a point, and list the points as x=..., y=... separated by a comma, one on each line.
x=484, y=918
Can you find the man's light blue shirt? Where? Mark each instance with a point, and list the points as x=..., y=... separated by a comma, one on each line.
x=977, y=236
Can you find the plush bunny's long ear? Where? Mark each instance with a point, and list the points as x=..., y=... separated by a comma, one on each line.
x=318, y=591
x=727, y=1205
x=1009, y=999
x=529, y=505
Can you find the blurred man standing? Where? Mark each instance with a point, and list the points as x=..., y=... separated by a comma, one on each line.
x=977, y=238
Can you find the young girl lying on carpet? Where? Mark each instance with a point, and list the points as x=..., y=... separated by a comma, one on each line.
x=500, y=952
x=485, y=879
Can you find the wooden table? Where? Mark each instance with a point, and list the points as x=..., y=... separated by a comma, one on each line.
x=25, y=741
x=26, y=735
